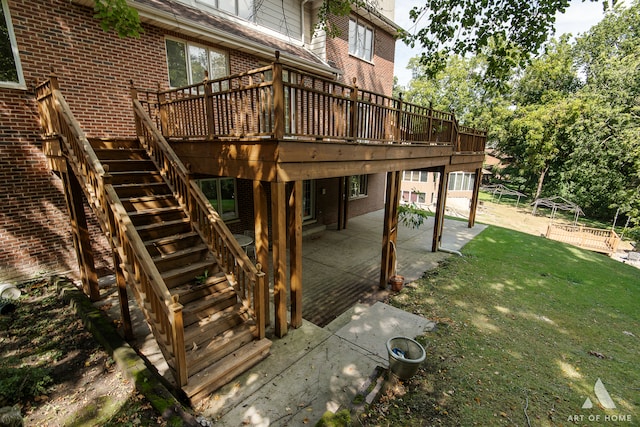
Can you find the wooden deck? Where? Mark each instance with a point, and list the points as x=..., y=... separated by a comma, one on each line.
x=593, y=239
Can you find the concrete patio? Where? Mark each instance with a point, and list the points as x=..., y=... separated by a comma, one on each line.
x=315, y=368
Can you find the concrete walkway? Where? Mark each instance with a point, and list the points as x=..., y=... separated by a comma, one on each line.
x=314, y=369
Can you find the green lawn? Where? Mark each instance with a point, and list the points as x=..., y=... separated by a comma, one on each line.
x=526, y=326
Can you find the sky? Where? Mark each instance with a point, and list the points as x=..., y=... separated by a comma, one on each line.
x=578, y=18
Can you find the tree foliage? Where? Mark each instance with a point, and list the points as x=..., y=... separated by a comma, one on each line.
x=117, y=15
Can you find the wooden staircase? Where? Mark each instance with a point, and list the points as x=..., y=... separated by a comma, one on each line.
x=219, y=334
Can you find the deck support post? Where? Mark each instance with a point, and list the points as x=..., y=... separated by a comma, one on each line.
x=279, y=228
x=343, y=202
x=121, y=282
x=295, y=252
x=390, y=228
x=261, y=231
x=81, y=236
x=442, y=201
x=474, y=198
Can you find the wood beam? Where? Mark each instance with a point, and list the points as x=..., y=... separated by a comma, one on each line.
x=123, y=298
x=81, y=236
x=441, y=203
x=295, y=252
x=390, y=227
x=261, y=239
x=279, y=229
x=474, y=198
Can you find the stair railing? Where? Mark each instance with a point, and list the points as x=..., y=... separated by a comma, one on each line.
x=163, y=312
x=247, y=279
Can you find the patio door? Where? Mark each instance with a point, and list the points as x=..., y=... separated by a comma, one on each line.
x=308, y=199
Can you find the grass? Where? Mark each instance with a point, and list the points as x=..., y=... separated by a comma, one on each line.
x=525, y=327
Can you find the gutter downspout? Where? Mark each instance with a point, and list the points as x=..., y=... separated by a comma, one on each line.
x=302, y=20
x=450, y=251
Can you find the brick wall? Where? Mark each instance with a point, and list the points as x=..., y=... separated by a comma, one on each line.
x=376, y=76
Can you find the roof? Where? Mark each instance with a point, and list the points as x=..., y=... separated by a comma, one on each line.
x=245, y=37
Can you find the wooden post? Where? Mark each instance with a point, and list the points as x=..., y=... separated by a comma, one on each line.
x=430, y=122
x=474, y=198
x=177, y=337
x=133, y=92
x=442, y=200
x=343, y=202
x=399, y=115
x=295, y=252
x=390, y=227
x=279, y=228
x=208, y=106
x=278, y=99
x=353, y=125
x=121, y=282
x=164, y=118
x=261, y=228
x=81, y=236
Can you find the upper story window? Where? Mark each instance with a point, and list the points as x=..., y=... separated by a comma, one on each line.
x=241, y=8
x=360, y=40
x=187, y=63
x=421, y=176
x=10, y=69
x=461, y=181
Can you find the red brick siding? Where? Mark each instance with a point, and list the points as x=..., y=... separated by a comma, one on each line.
x=376, y=76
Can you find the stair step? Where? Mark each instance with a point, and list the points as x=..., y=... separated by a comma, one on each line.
x=165, y=229
x=113, y=144
x=169, y=244
x=214, y=325
x=105, y=154
x=187, y=273
x=135, y=177
x=182, y=257
x=191, y=291
x=142, y=190
x=129, y=165
x=148, y=202
x=218, y=347
x=223, y=371
x=156, y=215
x=202, y=308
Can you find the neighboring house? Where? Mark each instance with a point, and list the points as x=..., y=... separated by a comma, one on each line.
x=181, y=39
x=421, y=189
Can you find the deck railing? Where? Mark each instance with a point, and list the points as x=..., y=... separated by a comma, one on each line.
x=248, y=280
x=163, y=312
x=595, y=239
x=280, y=102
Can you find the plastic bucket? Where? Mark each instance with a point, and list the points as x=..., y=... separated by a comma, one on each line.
x=405, y=356
x=9, y=292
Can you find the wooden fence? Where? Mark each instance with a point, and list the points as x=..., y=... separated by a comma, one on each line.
x=594, y=239
x=279, y=102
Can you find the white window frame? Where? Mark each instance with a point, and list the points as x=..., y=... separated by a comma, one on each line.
x=218, y=206
x=309, y=197
x=189, y=70
x=216, y=4
x=359, y=48
x=358, y=186
x=20, y=84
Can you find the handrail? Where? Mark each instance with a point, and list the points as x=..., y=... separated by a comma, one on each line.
x=277, y=101
x=162, y=311
x=248, y=280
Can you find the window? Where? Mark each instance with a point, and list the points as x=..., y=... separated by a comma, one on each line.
x=221, y=193
x=419, y=176
x=461, y=181
x=10, y=69
x=360, y=40
x=241, y=8
x=358, y=186
x=308, y=200
x=188, y=62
